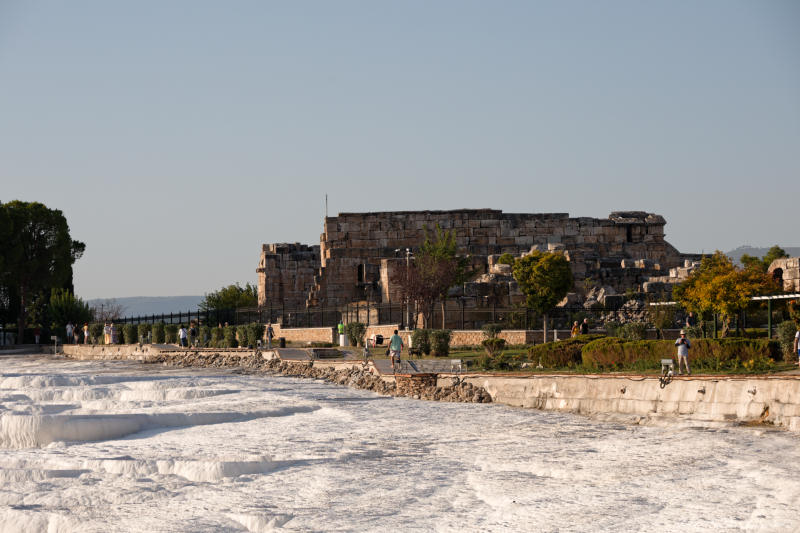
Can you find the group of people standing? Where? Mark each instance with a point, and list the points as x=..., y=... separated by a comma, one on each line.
x=73, y=334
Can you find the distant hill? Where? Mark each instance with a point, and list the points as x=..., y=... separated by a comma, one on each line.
x=152, y=305
x=737, y=254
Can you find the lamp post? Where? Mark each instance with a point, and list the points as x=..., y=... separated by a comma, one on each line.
x=408, y=269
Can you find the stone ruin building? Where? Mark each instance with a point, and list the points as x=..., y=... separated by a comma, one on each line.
x=358, y=253
x=786, y=271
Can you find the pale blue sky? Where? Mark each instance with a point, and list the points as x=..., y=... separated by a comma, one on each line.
x=177, y=136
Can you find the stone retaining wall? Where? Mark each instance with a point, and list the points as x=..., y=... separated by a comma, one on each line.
x=306, y=334
x=774, y=400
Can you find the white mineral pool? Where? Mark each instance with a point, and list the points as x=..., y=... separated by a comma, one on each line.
x=112, y=446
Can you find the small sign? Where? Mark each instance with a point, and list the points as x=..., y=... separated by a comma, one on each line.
x=54, y=338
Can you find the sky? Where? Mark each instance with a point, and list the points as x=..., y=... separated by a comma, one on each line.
x=177, y=137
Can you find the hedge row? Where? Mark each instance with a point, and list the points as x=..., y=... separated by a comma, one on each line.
x=561, y=354
x=612, y=353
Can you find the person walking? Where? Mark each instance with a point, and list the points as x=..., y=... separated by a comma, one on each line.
x=192, y=334
x=270, y=334
x=107, y=334
x=37, y=334
x=182, y=336
x=70, y=327
x=395, y=347
x=575, y=329
x=113, y=333
x=683, y=345
x=585, y=326
x=76, y=332
x=85, y=333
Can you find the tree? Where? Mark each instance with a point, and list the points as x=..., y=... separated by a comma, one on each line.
x=750, y=261
x=545, y=278
x=231, y=297
x=38, y=253
x=435, y=269
x=441, y=266
x=65, y=307
x=719, y=286
x=107, y=310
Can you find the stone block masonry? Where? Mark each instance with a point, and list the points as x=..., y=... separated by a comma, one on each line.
x=620, y=251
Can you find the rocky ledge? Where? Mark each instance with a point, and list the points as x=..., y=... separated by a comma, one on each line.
x=359, y=378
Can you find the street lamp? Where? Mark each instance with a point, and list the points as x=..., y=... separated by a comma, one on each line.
x=408, y=269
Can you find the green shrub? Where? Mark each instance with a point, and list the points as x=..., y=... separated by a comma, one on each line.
x=355, y=332
x=204, y=335
x=143, y=330
x=159, y=335
x=491, y=331
x=421, y=340
x=613, y=328
x=218, y=338
x=786, y=331
x=493, y=345
x=612, y=353
x=633, y=331
x=241, y=336
x=255, y=333
x=440, y=342
x=503, y=361
x=561, y=354
x=754, y=333
x=130, y=333
x=96, y=332
x=505, y=259
x=171, y=333
x=694, y=332
x=229, y=337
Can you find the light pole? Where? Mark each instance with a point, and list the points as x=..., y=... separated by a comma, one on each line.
x=408, y=270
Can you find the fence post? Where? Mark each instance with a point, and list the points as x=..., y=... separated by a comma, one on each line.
x=769, y=320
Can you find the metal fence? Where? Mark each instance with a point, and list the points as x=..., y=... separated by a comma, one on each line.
x=459, y=313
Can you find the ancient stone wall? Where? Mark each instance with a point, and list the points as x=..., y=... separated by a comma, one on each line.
x=622, y=250
x=305, y=334
x=286, y=274
x=787, y=272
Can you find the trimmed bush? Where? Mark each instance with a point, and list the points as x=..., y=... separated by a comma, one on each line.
x=229, y=337
x=633, y=331
x=96, y=332
x=491, y=331
x=217, y=338
x=440, y=342
x=204, y=336
x=705, y=354
x=502, y=361
x=613, y=328
x=159, y=335
x=493, y=346
x=241, y=336
x=355, y=332
x=130, y=334
x=421, y=341
x=561, y=354
x=143, y=330
x=171, y=333
x=255, y=333
x=786, y=331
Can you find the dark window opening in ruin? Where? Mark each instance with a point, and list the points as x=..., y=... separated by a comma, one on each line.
x=630, y=233
x=360, y=274
x=777, y=275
